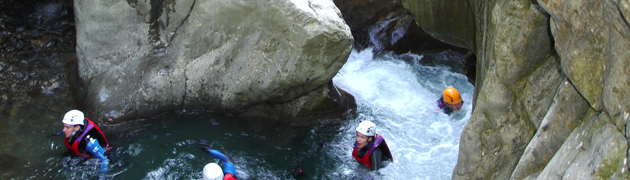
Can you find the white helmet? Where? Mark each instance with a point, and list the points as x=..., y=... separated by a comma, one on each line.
x=367, y=128
x=212, y=171
x=73, y=117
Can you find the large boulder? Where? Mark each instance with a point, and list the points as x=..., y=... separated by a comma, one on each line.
x=138, y=58
x=552, y=91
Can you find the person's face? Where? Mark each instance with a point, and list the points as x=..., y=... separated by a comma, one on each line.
x=69, y=129
x=361, y=140
x=456, y=107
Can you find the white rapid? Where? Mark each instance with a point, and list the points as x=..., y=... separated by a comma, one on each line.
x=399, y=93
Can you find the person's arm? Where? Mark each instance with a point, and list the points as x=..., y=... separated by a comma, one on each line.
x=228, y=167
x=97, y=151
x=375, y=158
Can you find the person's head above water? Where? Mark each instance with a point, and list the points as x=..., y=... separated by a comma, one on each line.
x=451, y=97
x=71, y=120
x=365, y=133
x=212, y=171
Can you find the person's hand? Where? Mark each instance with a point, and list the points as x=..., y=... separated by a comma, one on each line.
x=203, y=145
x=56, y=133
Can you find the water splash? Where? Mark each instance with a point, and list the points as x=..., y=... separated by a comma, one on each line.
x=398, y=93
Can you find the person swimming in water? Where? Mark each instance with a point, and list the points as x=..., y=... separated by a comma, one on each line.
x=370, y=148
x=84, y=138
x=212, y=171
x=450, y=101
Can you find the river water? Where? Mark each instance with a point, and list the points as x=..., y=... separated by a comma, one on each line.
x=397, y=92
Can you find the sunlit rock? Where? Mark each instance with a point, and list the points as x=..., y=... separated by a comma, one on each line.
x=224, y=56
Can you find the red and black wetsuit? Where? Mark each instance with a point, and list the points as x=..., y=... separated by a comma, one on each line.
x=373, y=153
x=78, y=141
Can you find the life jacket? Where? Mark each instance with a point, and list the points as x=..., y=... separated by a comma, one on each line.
x=228, y=176
x=75, y=146
x=366, y=158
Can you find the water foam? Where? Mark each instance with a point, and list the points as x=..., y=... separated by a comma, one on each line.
x=399, y=93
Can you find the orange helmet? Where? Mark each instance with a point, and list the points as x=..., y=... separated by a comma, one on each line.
x=451, y=96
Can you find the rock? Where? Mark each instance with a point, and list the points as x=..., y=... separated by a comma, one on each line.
x=524, y=49
x=386, y=26
x=4, y=35
x=49, y=15
x=565, y=114
x=453, y=22
x=226, y=56
x=595, y=150
x=327, y=102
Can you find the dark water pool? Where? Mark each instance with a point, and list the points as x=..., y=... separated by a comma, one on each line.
x=165, y=149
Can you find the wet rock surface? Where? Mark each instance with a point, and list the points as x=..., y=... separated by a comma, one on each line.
x=388, y=26
x=37, y=39
x=37, y=45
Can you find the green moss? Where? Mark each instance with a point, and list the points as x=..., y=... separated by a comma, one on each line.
x=608, y=169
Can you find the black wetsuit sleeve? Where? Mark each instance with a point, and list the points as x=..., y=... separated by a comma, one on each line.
x=375, y=158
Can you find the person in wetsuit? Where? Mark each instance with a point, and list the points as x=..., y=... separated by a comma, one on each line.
x=450, y=101
x=370, y=148
x=212, y=171
x=84, y=138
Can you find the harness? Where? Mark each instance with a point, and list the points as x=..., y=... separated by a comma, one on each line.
x=366, y=158
x=75, y=146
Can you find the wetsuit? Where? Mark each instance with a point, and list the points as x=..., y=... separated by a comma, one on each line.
x=229, y=170
x=89, y=141
x=444, y=106
x=373, y=153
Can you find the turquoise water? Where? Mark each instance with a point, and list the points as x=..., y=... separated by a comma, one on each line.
x=165, y=149
x=397, y=92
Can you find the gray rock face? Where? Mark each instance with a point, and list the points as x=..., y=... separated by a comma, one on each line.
x=565, y=114
x=552, y=90
x=137, y=58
